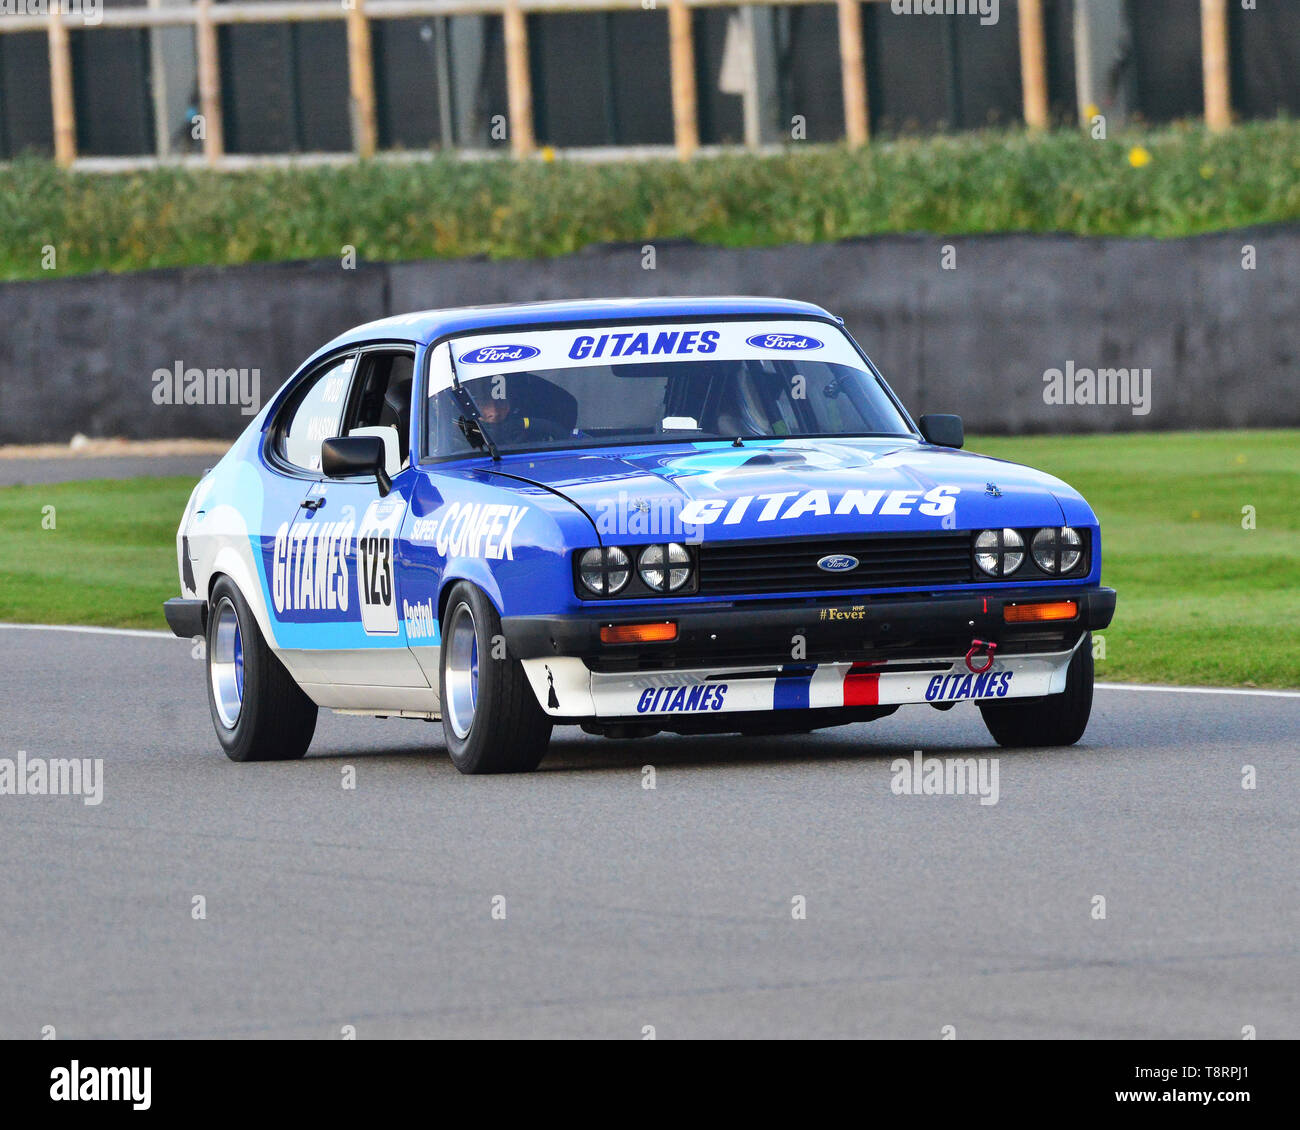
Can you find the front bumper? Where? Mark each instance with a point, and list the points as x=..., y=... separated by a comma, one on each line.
x=863, y=654
x=913, y=626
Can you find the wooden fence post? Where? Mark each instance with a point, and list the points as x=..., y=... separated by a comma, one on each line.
x=519, y=82
x=1214, y=64
x=1033, y=63
x=361, y=80
x=853, y=72
x=65, y=117
x=681, y=52
x=214, y=141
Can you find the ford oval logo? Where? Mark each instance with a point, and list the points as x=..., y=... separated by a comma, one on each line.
x=789, y=342
x=498, y=354
x=837, y=563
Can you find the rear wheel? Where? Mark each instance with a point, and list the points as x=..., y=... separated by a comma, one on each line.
x=490, y=715
x=259, y=712
x=1055, y=719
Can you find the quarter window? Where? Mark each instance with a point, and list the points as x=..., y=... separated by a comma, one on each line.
x=316, y=416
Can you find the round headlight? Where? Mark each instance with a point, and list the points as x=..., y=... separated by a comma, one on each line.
x=1057, y=550
x=665, y=568
x=999, y=552
x=1071, y=548
x=604, y=571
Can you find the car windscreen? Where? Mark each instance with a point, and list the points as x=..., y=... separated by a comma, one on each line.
x=772, y=384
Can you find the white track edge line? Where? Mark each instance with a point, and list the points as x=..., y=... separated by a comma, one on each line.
x=1195, y=690
x=142, y=632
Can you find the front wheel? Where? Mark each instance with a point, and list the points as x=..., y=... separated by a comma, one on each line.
x=259, y=712
x=1054, y=719
x=490, y=715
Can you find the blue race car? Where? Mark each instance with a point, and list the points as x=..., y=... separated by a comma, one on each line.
x=692, y=515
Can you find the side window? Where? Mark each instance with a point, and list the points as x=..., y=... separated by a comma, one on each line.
x=383, y=399
x=316, y=415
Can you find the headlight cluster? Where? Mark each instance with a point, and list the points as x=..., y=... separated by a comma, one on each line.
x=1055, y=551
x=604, y=571
x=999, y=552
x=661, y=569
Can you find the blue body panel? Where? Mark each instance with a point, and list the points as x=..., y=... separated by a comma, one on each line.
x=531, y=574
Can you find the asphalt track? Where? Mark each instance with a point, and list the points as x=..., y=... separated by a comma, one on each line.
x=19, y=472
x=627, y=907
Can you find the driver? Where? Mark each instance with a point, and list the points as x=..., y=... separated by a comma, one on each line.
x=509, y=427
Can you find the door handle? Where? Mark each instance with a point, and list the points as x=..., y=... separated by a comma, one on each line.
x=312, y=503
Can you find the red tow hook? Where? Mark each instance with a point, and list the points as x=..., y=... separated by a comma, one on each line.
x=975, y=645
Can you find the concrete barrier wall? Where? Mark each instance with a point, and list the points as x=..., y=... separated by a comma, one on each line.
x=967, y=325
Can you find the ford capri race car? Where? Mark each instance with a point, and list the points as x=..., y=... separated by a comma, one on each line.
x=693, y=515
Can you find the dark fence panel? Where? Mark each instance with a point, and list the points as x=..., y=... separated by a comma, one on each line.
x=322, y=87
x=284, y=88
x=1266, y=60
x=1167, y=58
x=601, y=78
x=639, y=78
x=406, y=88
x=1058, y=18
x=937, y=72
x=257, y=89
x=26, y=124
x=721, y=116
x=987, y=64
x=908, y=71
x=808, y=54
x=110, y=76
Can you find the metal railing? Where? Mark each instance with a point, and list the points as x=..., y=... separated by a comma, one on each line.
x=206, y=17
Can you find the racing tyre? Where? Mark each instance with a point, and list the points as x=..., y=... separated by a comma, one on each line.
x=259, y=712
x=490, y=715
x=1054, y=719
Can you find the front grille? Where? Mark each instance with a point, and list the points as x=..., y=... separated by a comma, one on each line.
x=885, y=561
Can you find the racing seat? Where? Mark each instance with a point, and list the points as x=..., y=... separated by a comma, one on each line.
x=531, y=395
x=741, y=412
x=396, y=409
x=684, y=393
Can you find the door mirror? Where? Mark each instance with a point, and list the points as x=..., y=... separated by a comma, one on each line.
x=943, y=431
x=345, y=456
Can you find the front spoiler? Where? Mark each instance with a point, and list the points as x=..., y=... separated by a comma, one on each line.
x=566, y=687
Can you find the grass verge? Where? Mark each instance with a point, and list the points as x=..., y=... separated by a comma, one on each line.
x=1202, y=598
